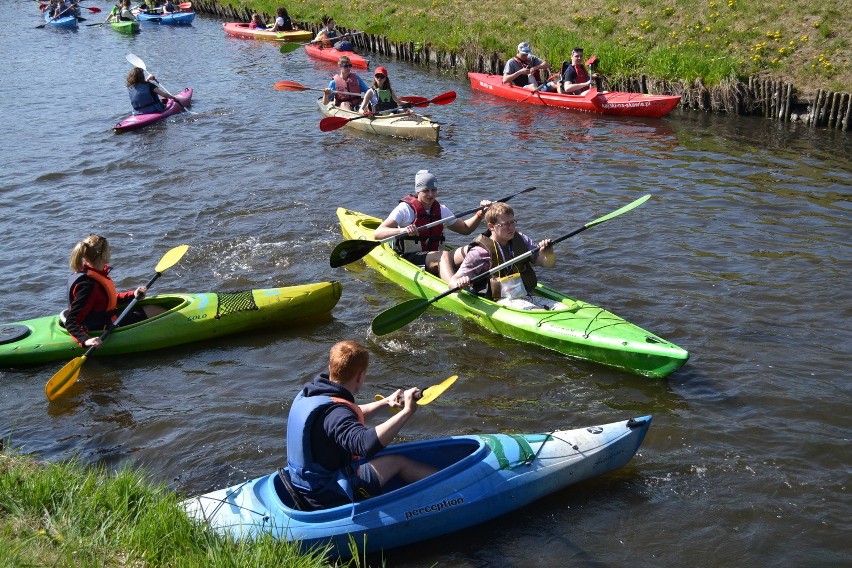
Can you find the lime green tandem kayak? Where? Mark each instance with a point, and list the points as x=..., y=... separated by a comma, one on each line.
x=581, y=330
x=125, y=26
x=190, y=317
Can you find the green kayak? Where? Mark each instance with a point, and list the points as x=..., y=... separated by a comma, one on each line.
x=581, y=330
x=125, y=27
x=190, y=317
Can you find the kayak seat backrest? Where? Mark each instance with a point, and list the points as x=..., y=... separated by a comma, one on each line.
x=233, y=302
x=287, y=493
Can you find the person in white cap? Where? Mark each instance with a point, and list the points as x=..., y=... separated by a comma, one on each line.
x=423, y=247
x=522, y=70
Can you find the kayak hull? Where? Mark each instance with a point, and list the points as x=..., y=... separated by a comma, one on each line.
x=582, y=330
x=190, y=317
x=403, y=125
x=241, y=30
x=481, y=477
x=63, y=22
x=173, y=19
x=135, y=121
x=604, y=102
x=331, y=54
x=125, y=27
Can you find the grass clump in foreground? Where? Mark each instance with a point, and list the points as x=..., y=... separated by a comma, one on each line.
x=806, y=42
x=64, y=514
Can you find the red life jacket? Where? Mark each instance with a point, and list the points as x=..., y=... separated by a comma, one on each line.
x=349, y=85
x=581, y=74
x=430, y=239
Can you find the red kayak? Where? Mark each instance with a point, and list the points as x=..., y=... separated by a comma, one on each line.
x=601, y=102
x=331, y=54
x=135, y=121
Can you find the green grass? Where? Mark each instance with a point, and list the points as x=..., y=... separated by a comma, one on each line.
x=805, y=42
x=66, y=515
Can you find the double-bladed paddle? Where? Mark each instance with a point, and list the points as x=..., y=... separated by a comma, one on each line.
x=294, y=86
x=289, y=47
x=428, y=394
x=137, y=62
x=406, y=312
x=419, y=102
x=330, y=123
x=56, y=17
x=355, y=249
x=67, y=375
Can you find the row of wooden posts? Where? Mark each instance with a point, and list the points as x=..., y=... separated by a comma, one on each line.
x=773, y=99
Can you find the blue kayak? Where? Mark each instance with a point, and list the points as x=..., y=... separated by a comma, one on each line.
x=65, y=22
x=481, y=477
x=173, y=19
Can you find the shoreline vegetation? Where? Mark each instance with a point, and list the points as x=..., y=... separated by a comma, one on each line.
x=71, y=515
x=784, y=60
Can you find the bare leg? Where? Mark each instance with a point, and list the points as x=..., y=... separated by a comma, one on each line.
x=408, y=470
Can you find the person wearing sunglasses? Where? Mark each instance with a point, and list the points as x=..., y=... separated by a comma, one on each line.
x=380, y=96
x=576, y=79
x=514, y=285
x=92, y=299
x=524, y=70
x=346, y=87
x=422, y=248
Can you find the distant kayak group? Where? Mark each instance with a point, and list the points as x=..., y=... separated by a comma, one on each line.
x=345, y=482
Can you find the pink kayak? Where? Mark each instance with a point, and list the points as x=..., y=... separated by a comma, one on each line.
x=331, y=54
x=603, y=102
x=135, y=121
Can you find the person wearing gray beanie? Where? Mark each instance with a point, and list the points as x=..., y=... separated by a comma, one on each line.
x=416, y=210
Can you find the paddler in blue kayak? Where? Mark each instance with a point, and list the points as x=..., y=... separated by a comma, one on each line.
x=423, y=248
x=330, y=449
x=145, y=93
x=92, y=299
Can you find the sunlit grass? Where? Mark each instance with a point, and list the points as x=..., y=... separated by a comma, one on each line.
x=710, y=39
x=65, y=515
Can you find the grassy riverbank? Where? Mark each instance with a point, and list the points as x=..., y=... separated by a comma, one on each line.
x=805, y=42
x=66, y=515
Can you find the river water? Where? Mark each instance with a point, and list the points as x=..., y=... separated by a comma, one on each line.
x=742, y=257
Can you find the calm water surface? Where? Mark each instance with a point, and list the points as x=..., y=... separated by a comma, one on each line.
x=742, y=257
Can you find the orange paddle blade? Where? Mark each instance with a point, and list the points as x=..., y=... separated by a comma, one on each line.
x=290, y=86
x=64, y=378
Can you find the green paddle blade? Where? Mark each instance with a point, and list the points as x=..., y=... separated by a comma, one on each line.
x=399, y=316
x=171, y=258
x=64, y=378
x=289, y=47
x=348, y=252
x=618, y=212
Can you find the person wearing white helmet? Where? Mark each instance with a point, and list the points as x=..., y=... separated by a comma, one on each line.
x=526, y=70
x=423, y=248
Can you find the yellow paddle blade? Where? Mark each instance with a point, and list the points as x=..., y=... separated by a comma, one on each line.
x=435, y=391
x=171, y=258
x=64, y=378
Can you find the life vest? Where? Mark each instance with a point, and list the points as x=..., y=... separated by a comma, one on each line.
x=144, y=100
x=428, y=240
x=521, y=80
x=386, y=101
x=576, y=74
x=305, y=473
x=96, y=319
x=524, y=267
x=349, y=85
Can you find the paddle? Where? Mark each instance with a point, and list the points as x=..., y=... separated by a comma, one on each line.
x=293, y=86
x=355, y=249
x=428, y=394
x=406, y=312
x=540, y=87
x=67, y=375
x=54, y=18
x=289, y=47
x=185, y=5
x=330, y=123
x=94, y=10
x=442, y=99
x=137, y=62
